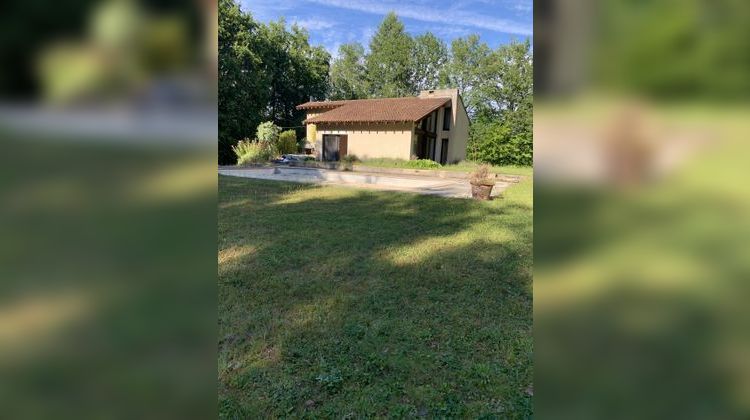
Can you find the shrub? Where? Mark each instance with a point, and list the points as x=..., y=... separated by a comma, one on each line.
x=481, y=176
x=350, y=159
x=423, y=164
x=268, y=132
x=248, y=151
x=301, y=142
x=243, y=147
x=499, y=144
x=287, y=142
x=401, y=163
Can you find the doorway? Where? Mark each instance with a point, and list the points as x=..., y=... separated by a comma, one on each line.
x=334, y=147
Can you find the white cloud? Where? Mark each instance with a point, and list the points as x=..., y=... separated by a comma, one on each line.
x=314, y=24
x=434, y=15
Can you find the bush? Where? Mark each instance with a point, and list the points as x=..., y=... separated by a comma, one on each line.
x=350, y=159
x=287, y=142
x=497, y=143
x=248, y=151
x=423, y=164
x=401, y=163
x=268, y=132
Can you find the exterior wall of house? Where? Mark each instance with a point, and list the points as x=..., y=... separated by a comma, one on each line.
x=398, y=140
x=392, y=140
x=458, y=134
x=311, y=128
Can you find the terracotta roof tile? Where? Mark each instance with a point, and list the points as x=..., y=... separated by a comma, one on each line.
x=321, y=104
x=376, y=110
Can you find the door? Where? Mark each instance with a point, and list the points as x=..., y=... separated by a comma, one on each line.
x=330, y=147
x=444, y=152
x=343, y=145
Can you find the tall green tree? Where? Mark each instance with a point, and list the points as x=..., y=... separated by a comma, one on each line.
x=389, y=64
x=503, y=119
x=298, y=72
x=468, y=62
x=347, y=79
x=507, y=80
x=244, y=85
x=265, y=71
x=429, y=59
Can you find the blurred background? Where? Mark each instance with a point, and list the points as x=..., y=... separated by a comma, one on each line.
x=107, y=209
x=641, y=129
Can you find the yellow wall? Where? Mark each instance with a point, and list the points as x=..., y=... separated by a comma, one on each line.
x=311, y=128
x=371, y=140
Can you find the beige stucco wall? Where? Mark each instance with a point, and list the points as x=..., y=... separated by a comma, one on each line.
x=458, y=135
x=398, y=140
x=371, y=140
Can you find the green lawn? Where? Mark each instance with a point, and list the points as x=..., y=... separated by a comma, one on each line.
x=338, y=302
x=463, y=166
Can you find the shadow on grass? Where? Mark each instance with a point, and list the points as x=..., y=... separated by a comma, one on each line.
x=641, y=303
x=340, y=301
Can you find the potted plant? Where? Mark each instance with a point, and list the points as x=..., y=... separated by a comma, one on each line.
x=481, y=183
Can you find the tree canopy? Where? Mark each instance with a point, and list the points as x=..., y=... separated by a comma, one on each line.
x=264, y=72
x=429, y=60
x=348, y=73
x=389, y=64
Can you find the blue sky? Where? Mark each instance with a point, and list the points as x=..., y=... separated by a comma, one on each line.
x=335, y=22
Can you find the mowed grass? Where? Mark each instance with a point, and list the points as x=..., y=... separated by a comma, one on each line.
x=345, y=303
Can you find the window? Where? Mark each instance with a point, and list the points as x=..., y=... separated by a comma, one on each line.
x=444, y=152
x=431, y=149
x=429, y=123
x=447, y=115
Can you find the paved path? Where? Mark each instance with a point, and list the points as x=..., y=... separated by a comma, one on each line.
x=416, y=184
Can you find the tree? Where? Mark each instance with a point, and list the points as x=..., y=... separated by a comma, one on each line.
x=347, y=79
x=429, y=59
x=243, y=83
x=297, y=72
x=265, y=71
x=507, y=79
x=502, y=94
x=389, y=62
x=468, y=60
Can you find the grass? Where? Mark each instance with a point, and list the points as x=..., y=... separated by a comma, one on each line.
x=339, y=302
x=463, y=166
x=632, y=283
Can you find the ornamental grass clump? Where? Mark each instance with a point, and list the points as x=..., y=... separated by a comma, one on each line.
x=250, y=151
x=482, y=181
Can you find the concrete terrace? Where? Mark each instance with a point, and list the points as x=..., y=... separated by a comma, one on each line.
x=420, y=184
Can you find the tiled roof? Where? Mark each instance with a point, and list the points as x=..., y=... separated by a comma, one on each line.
x=321, y=104
x=376, y=110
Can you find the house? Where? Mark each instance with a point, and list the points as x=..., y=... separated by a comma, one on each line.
x=433, y=125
